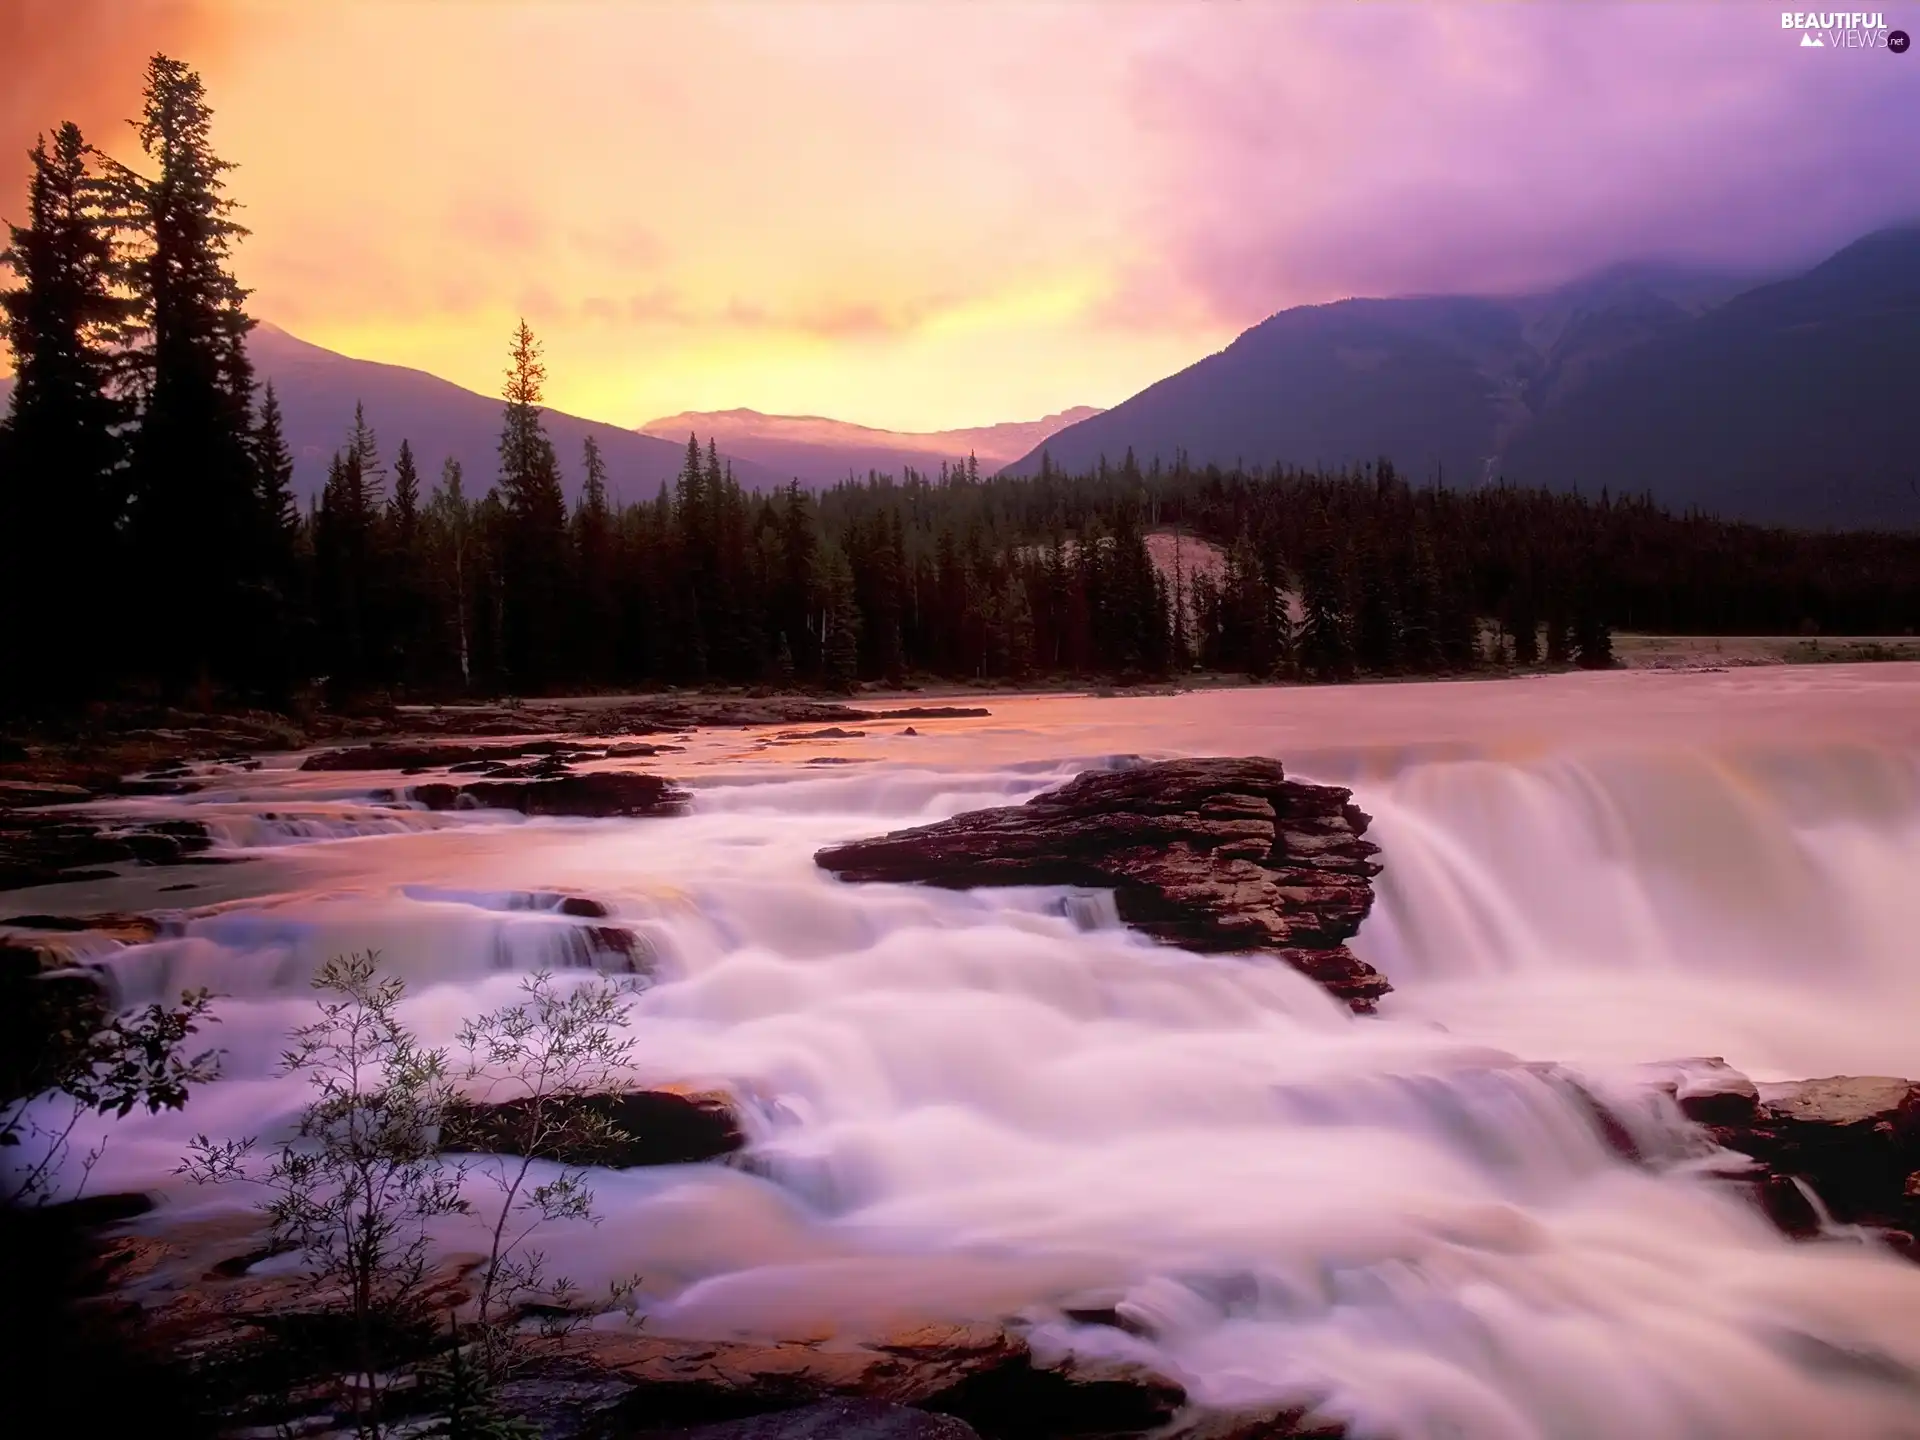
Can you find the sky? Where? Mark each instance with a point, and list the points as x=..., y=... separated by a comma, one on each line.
x=921, y=214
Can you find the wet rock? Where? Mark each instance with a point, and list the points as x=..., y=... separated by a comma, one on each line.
x=426, y=755
x=1022, y=1400
x=930, y=712
x=1853, y=1141
x=601, y=794
x=46, y=847
x=656, y=1127
x=1286, y=1422
x=1709, y=1091
x=834, y=1420
x=115, y=925
x=1218, y=855
x=20, y=794
x=638, y=749
x=690, y=1382
x=832, y=732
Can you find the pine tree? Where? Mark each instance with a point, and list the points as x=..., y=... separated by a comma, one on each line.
x=1326, y=644
x=1376, y=627
x=1420, y=621
x=283, y=551
x=593, y=559
x=405, y=505
x=195, y=491
x=63, y=491
x=793, y=587
x=840, y=620
x=364, y=445
x=450, y=525
x=534, y=570
x=273, y=462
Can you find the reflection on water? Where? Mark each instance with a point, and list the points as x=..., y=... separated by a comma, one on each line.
x=994, y=1104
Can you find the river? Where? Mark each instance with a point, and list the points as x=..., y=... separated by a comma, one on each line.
x=975, y=1105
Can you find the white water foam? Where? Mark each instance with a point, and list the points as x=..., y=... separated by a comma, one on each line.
x=974, y=1106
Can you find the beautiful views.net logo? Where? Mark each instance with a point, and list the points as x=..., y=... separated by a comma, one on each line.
x=1843, y=30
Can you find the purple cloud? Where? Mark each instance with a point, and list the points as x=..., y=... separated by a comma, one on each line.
x=1308, y=154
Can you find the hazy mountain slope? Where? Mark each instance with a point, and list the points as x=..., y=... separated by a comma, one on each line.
x=819, y=451
x=1425, y=381
x=1789, y=401
x=1794, y=402
x=318, y=388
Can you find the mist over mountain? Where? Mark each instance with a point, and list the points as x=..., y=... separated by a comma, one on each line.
x=1793, y=402
x=318, y=389
x=1777, y=402
x=820, y=451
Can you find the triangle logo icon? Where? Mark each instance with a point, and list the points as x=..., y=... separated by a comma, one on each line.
x=1812, y=42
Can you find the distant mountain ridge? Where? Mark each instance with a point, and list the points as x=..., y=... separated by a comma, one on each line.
x=819, y=451
x=1780, y=402
x=318, y=389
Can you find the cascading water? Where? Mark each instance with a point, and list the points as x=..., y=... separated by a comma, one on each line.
x=975, y=1106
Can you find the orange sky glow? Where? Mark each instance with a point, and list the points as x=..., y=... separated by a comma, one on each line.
x=926, y=213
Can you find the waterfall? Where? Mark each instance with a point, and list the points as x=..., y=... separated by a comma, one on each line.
x=1002, y=1104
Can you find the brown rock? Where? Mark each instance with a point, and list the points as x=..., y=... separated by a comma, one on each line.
x=421, y=755
x=21, y=794
x=1854, y=1140
x=834, y=1420
x=690, y=1381
x=600, y=794
x=656, y=1127
x=1210, y=855
x=1025, y=1400
x=45, y=847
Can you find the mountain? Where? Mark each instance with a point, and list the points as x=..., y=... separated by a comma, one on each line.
x=318, y=389
x=1792, y=403
x=1776, y=402
x=819, y=451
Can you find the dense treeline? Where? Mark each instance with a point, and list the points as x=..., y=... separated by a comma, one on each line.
x=152, y=538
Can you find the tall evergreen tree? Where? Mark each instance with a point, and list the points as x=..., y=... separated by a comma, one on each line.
x=534, y=568
x=195, y=492
x=451, y=566
x=594, y=563
x=63, y=491
x=404, y=507
x=840, y=621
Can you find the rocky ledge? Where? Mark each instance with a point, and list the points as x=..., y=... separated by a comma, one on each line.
x=1848, y=1144
x=617, y=1131
x=40, y=846
x=1210, y=855
x=598, y=794
x=192, y=1289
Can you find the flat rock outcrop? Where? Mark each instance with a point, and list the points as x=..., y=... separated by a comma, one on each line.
x=427, y=754
x=1216, y=855
x=833, y=1420
x=646, y=1127
x=51, y=846
x=1853, y=1141
x=597, y=794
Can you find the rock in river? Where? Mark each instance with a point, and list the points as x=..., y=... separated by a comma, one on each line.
x=620, y=1130
x=1853, y=1139
x=599, y=793
x=1210, y=855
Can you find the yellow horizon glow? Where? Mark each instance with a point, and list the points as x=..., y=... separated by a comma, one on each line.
x=696, y=207
x=929, y=214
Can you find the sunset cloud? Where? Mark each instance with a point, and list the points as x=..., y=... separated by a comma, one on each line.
x=936, y=214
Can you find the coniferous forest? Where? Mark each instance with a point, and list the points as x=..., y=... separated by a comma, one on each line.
x=153, y=543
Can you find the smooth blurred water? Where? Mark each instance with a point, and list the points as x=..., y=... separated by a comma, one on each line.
x=1001, y=1104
